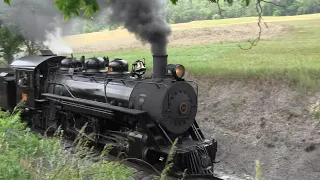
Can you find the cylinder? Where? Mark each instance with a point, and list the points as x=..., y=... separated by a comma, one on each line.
x=159, y=66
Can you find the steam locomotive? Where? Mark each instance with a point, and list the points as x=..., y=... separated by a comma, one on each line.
x=141, y=117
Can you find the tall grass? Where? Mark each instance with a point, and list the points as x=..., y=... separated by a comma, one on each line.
x=25, y=155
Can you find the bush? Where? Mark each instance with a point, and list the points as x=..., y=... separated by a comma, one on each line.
x=25, y=155
x=216, y=16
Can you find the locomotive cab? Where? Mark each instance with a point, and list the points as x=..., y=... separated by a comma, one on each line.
x=30, y=75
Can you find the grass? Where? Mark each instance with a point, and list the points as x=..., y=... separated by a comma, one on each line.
x=294, y=56
x=25, y=155
x=28, y=155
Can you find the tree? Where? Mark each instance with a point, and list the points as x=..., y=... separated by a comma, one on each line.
x=10, y=43
x=18, y=33
x=33, y=46
x=89, y=7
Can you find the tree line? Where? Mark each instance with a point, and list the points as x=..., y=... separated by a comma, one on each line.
x=192, y=10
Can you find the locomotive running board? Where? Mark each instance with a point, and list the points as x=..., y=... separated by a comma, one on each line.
x=91, y=103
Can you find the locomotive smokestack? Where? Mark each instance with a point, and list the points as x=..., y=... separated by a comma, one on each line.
x=159, y=66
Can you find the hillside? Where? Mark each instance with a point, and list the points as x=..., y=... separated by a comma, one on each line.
x=256, y=103
x=209, y=31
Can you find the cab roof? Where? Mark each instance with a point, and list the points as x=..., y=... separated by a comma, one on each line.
x=33, y=61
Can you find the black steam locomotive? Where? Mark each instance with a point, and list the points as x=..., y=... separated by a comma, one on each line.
x=139, y=116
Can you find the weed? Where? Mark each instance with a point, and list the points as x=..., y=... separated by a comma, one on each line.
x=314, y=109
x=169, y=164
x=25, y=155
x=258, y=170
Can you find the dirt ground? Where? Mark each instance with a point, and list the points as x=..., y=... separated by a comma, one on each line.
x=122, y=40
x=261, y=120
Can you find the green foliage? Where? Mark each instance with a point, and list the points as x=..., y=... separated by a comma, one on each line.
x=186, y=11
x=12, y=38
x=73, y=7
x=192, y=10
x=10, y=43
x=169, y=164
x=7, y=1
x=24, y=155
x=89, y=7
x=315, y=110
x=103, y=24
x=258, y=171
x=292, y=7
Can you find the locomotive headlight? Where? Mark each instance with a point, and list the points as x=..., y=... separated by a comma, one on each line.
x=179, y=71
x=176, y=70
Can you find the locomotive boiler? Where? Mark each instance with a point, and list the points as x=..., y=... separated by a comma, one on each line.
x=141, y=117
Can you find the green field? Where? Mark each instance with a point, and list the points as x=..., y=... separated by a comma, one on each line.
x=294, y=55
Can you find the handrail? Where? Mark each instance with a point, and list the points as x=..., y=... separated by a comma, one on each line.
x=65, y=87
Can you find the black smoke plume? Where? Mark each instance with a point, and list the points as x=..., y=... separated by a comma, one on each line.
x=144, y=18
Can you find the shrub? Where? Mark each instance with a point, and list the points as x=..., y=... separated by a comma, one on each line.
x=216, y=16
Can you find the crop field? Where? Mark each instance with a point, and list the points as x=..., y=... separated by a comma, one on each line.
x=289, y=47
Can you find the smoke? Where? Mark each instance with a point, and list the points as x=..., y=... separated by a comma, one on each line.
x=33, y=18
x=36, y=20
x=55, y=44
x=144, y=18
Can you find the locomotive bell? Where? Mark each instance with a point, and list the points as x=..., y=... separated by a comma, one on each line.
x=140, y=66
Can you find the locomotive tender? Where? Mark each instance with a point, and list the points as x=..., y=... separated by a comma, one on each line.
x=139, y=116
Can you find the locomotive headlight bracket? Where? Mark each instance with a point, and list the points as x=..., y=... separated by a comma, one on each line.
x=176, y=70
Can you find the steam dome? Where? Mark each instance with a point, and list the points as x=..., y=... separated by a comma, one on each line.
x=94, y=65
x=66, y=64
x=118, y=65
